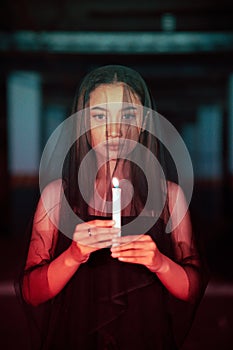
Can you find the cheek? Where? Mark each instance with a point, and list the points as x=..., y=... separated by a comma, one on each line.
x=131, y=132
x=97, y=135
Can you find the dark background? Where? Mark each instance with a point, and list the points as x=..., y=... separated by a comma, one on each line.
x=184, y=74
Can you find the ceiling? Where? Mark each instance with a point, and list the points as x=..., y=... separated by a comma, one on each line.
x=106, y=15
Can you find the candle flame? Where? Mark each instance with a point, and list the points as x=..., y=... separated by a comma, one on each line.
x=115, y=182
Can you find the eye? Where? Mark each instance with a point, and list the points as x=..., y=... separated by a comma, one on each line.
x=128, y=116
x=99, y=117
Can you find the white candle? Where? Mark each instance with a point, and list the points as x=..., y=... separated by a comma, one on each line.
x=116, y=203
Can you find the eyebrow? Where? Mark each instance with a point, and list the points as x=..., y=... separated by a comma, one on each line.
x=100, y=108
x=129, y=108
x=105, y=109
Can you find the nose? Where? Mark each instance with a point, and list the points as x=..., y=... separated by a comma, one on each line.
x=114, y=130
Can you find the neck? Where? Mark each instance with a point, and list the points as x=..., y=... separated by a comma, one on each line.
x=106, y=170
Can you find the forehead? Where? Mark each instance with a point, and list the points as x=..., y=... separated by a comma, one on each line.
x=108, y=93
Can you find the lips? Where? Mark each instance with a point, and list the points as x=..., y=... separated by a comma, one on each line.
x=119, y=145
x=114, y=144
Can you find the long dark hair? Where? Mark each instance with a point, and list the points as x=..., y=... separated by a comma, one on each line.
x=111, y=74
x=133, y=84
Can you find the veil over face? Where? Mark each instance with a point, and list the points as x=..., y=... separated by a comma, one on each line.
x=113, y=132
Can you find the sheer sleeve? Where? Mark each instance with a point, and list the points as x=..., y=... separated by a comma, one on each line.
x=185, y=250
x=42, y=245
x=186, y=254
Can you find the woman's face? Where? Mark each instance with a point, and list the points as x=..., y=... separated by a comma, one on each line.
x=115, y=119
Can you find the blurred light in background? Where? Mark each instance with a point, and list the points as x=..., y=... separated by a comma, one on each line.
x=24, y=106
x=204, y=141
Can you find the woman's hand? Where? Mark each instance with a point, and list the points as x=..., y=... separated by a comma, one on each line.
x=91, y=236
x=139, y=249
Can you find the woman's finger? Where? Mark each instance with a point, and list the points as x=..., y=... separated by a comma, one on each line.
x=132, y=242
x=96, y=223
x=133, y=253
x=134, y=260
x=94, y=239
x=91, y=226
x=127, y=239
x=136, y=245
x=95, y=233
x=100, y=245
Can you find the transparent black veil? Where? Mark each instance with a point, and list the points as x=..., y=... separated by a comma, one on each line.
x=142, y=163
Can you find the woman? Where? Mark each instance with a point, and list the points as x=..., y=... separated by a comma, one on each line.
x=106, y=289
